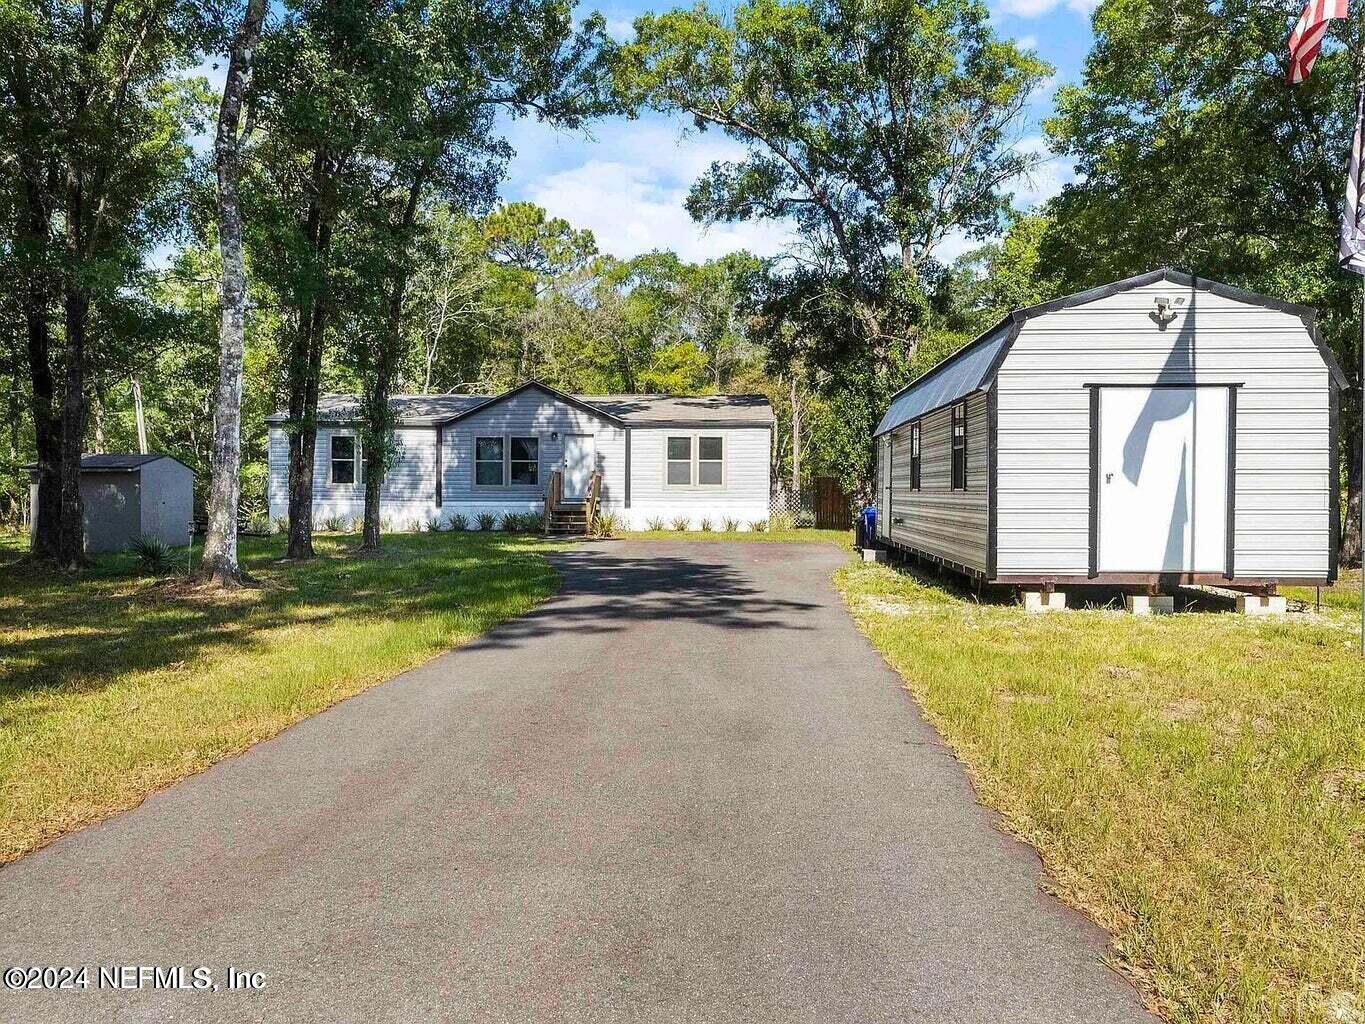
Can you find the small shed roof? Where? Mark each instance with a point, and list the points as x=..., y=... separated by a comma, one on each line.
x=118, y=462
x=973, y=366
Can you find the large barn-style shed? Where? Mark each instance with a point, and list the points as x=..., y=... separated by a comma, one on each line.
x=1161, y=430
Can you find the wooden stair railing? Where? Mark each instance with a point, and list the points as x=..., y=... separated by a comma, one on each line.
x=554, y=491
x=594, y=492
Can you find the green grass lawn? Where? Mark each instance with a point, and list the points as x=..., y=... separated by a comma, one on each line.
x=116, y=684
x=1195, y=782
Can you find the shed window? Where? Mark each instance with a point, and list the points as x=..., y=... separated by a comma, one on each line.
x=960, y=446
x=914, y=456
x=488, y=456
x=679, y=462
x=344, y=459
x=525, y=464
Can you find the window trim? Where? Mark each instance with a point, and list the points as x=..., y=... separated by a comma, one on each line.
x=507, y=482
x=916, y=456
x=357, y=463
x=959, y=414
x=695, y=460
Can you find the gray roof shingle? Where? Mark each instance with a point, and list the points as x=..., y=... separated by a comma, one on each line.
x=635, y=410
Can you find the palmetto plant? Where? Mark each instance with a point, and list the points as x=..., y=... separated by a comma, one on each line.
x=153, y=555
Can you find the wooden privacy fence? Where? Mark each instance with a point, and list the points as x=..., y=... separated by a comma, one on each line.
x=833, y=509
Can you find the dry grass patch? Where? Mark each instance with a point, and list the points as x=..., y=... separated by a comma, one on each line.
x=1188, y=780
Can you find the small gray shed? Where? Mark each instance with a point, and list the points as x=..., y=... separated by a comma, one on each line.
x=1158, y=431
x=132, y=496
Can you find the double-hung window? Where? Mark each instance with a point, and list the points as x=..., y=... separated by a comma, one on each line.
x=960, y=446
x=914, y=456
x=710, y=461
x=345, y=459
x=694, y=461
x=525, y=461
x=679, y=462
x=488, y=462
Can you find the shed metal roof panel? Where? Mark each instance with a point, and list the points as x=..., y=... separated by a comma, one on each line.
x=954, y=378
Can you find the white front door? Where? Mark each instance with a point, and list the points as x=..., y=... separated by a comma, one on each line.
x=1163, y=484
x=580, y=459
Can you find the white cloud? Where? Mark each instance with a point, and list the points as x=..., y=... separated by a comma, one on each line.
x=628, y=184
x=1027, y=42
x=630, y=211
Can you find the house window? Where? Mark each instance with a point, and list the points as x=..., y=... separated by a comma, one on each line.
x=695, y=461
x=679, y=462
x=960, y=446
x=525, y=462
x=488, y=461
x=710, y=461
x=914, y=456
x=344, y=459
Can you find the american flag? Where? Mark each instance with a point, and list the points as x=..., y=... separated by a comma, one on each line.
x=1306, y=39
x=1352, y=222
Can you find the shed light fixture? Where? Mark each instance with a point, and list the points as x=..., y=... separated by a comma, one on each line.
x=1164, y=313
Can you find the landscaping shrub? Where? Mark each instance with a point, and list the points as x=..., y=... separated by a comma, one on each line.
x=705, y=524
x=487, y=521
x=434, y=523
x=783, y=521
x=152, y=554
x=655, y=523
x=731, y=525
x=682, y=524
x=759, y=525
x=334, y=524
x=606, y=524
x=281, y=524
x=457, y=522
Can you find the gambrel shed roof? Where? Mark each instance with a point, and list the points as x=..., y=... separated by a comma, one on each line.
x=973, y=367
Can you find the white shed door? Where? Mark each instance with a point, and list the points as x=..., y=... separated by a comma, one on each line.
x=1163, y=479
x=580, y=458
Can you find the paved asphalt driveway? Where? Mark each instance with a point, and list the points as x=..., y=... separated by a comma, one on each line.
x=686, y=789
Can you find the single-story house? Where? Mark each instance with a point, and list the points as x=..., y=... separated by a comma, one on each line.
x=1160, y=430
x=131, y=496
x=662, y=457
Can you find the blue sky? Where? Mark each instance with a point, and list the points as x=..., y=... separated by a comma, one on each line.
x=626, y=180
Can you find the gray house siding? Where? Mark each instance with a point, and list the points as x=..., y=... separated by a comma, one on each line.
x=935, y=519
x=532, y=413
x=410, y=490
x=743, y=495
x=1282, y=455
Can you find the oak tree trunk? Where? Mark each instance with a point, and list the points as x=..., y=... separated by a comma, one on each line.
x=220, y=547
x=305, y=365
x=378, y=416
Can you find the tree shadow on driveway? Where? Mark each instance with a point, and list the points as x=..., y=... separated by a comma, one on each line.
x=609, y=593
